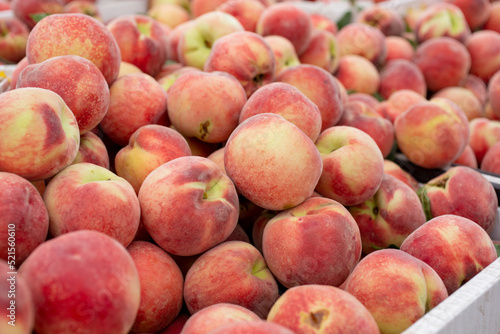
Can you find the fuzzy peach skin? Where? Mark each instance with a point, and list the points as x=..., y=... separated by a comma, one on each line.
x=343, y=178
x=287, y=101
x=217, y=315
x=21, y=210
x=494, y=93
x=443, y=61
x=66, y=300
x=84, y=7
x=401, y=74
x=455, y=247
x=397, y=288
x=316, y=242
x=75, y=34
x=442, y=20
x=388, y=21
x=173, y=40
x=13, y=39
x=322, y=22
x=206, y=105
x=493, y=21
x=92, y=150
x=475, y=11
x=233, y=272
x=363, y=117
x=320, y=87
x=161, y=287
x=484, y=49
x=363, y=40
x=17, y=70
x=285, y=55
x=310, y=309
x=491, y=160
x=364, y=98
x=323, y=51
x=196, y=42
x=467, y=158
x=176, y=326
x=484, y=133
x=398, y=48
x=398, y=103
x=387, y=218
x=200, y=7
x=358, y=75
x=454, y=190
x=246, y=56
x=258, y=227
x=79, y=82
x=167, y=79
x=141, y=40
x=272, y=162
x=39, y=134
x=24, y=9
x=218, y=157
x=149, y=147
x=170, y=14
x=203, y=205
x=465, y=99
x=135, y=100
x=432, y=134
x=477, y=87
x=289, y=21
x=117, y=214
x=16, y=302
x=392, y=168
x=247, y=12
x=127, y=68
x=253, y=327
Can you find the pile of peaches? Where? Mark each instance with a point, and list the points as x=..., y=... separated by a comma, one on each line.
x=228, y=166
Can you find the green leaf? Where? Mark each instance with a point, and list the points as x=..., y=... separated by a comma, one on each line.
x=344, y=20
x=497, y=247
x=426, y=203
x=379, y=97
x=37, y=17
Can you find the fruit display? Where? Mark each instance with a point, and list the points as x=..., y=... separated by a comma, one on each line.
x=246, y=166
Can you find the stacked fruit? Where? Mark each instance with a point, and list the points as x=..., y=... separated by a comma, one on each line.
x=226, y=166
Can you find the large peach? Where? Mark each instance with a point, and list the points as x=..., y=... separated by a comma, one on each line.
x=401, y=74
x=475, y=11
x=285, y=55
x=484, y=47
x=399, y=102
x=58, y=276
x=323, y=51
x=272, y=162
x=247, y=12
x=398, y=48
x=297, y=243
x=196, y=190
x=363, y=40
x=357, y=74
x=251, y=327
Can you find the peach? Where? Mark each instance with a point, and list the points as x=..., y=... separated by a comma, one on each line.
x=442, y=20
x=432, y=134
x=365, y=118
x=455, y=247
x=387, y=20
x=323, y=22
x=83, y=7
x=284, y=53
x=320, y=87
x=392, y=168
x=92, y=150
x=357, y=74
x=57, y=274
x=173, y=40
x=141, y=40
x=218, y=157
x=75, y=34
x=247, y=12
x=298, y=242
x=398, y=48
x=386, y=219
x=362, y=40
x=493, y=21
x=170, y=14
x=399, y=102
x=246, y=56
x=24, y=215
x=401, y=74
x=149, y=147
x=167, y=79
x=494, y=93
x=135, y=100
x=217, y=315
x=238, y=234
x=233, y=272
x=32, y=11
x=443, y=61
x=16, y=302
x=183, y=3
x=272, y=162
x=78, y=81
x=475, y=11
x=467, y=158
x=289, y=21
x=176, y=326
x=477, y=87
x=465, y=99
x=200, y=148
x=321, y=309
x=448, y=193
x=197, y=191
x=343, y=179
x=484, y=48
x=127, y=68
x=258, y=227
x=411, y=285
x=161, y=287
x=39, y=134
x=206, y=105
x=252, y=327
x=200, y=7
x=491, y=160
x=117, y=214
x=13, y=39
x=17, y=70
x=367, y=99
x=484, y=133
x=323, y=51
x=287, y=101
